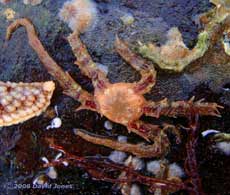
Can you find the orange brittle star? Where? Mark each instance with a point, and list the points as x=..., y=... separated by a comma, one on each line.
x=121, y=102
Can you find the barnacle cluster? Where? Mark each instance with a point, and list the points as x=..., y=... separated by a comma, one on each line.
x=22, y=101
x=174, y=55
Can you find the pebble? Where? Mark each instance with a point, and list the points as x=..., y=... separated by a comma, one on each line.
x=108, y=125
x=127, y=19
x=117, y=156
x=224, y=147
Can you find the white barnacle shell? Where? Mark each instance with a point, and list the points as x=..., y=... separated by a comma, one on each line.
x=40, y=180
x=208, y=132
x=45, y=160
x=137, y=163
x=117, y=156
x=175, y=170
x=122, y=139
x=135, y=190
x=127, y=19
x=154, y=167
x=224, y=147
x=52, y=173
x=108, y=125
x=55, y=123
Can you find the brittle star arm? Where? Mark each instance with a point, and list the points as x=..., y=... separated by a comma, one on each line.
x=149, y=131
x=70, y=87
x=85, y=62
x=145, y=130
x=181, y=108
x=157, y=149
x=146, y=70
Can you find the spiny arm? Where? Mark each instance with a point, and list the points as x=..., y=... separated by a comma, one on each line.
x=146, y=70
x=85, y=62
x=157, y=149
x=70, y=87
x=181, y=108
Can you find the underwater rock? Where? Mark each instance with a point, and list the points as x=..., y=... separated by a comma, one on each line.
x=103, y=68
x=22, y=101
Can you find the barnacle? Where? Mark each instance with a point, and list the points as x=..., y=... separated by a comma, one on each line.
x=22, y=101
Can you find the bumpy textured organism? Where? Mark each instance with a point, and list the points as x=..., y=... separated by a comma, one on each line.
x=175, y=56
x=79, y=15
x=122, y=103
x=22, y=101
x=222, y=8
x=216, y=17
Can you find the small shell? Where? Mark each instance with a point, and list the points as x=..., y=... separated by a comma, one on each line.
x=154, y=167
x=127, y=19
x=117, y=156
x=209, y=131
x=175, y=171
x=224, y=147
x=135, y=190
x=52, y=173
x=108, y=125
x=55, y=123
x=40, y=180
